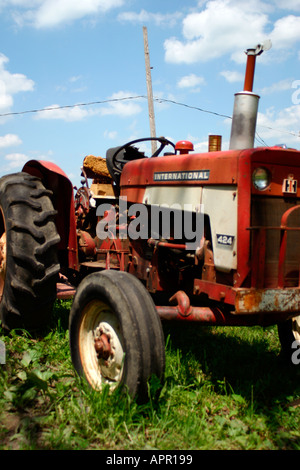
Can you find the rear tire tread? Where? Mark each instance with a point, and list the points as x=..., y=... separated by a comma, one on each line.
x=31, y=244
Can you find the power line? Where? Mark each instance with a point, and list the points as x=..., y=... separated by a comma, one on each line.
x=162, y=100
x=260, y=140
x=53, y=108
x=222, y=115
x=159, y=100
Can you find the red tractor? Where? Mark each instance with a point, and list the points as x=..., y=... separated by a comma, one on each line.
x=224, y=248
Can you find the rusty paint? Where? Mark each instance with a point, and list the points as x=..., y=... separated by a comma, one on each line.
x=267, y=301
x=175, y=246
x=249, y=75
x=217, y=317
x=102, y=347
x=64, y=290
x=183, y=303
x=251, y=300
x=86, y=243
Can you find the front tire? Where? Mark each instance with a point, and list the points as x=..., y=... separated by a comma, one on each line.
x=116, y=336
x=28, y=259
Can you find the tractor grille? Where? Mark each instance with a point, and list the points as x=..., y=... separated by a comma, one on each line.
x=267, y=212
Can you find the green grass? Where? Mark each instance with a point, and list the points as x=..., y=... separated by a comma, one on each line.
x=225, y=389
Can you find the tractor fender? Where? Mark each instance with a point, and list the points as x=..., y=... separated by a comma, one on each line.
x=55, y=180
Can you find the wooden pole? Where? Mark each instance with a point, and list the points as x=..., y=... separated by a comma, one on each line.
x=149, y=90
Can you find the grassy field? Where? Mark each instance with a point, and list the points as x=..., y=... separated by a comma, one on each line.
x=225, y=389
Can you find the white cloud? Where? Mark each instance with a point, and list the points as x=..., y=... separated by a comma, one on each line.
x=6, y=100
x=160, y=19
x=229, y=27
x=10, y=84
x=9, y=140
x=282, y=85
x=288, y=4
x=232, y=76
x=69, y=85
x=286, y=32
x=222, y=27
x=15, y=160
x=201, y=147
x=282, y=125
x=121, y=104
x=51, y=13
x=110, y=134
x=20, y=3
x=75, y=78
x=190, y=81
x=69, y=114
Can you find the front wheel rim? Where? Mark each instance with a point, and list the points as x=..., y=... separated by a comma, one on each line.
x=101, y=345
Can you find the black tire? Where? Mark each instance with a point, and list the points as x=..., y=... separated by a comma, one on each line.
x=116, y=300
x=29, y=267
x=289, y=333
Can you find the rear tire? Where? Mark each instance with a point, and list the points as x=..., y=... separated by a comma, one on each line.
x=116, y=336
x=28, y=260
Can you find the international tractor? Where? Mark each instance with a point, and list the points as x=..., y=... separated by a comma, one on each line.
x=210, y=238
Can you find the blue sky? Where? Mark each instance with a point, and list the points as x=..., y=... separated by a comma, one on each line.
x=61, y=53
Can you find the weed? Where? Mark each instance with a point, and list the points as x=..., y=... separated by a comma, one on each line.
x=224, y=388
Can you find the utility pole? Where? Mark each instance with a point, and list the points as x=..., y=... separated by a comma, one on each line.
x=149, y=90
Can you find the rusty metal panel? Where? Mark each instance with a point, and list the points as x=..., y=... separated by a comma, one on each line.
x=267, y=300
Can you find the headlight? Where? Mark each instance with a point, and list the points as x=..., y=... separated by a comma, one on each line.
x=261, y=178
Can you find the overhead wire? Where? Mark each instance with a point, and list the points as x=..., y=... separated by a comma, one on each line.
x=224, y=116
x=112, y=100
x=53, y=108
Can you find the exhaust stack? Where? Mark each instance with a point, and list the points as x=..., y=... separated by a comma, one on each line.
x=245, y=108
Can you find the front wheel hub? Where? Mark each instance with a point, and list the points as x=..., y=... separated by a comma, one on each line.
x=109, y=351
x=102, y=346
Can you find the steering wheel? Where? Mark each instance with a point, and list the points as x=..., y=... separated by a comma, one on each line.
x=118, y=163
